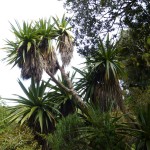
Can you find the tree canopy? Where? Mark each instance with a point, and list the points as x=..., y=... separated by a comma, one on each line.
x=95, y=18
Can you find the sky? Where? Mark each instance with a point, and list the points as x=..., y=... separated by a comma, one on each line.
x=11, y=10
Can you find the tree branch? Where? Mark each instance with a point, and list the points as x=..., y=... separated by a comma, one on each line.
x=76, y=98
x=60, y=85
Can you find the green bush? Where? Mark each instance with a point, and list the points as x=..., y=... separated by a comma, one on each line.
x=14, y=137
x=66, y=134
x=97, y=131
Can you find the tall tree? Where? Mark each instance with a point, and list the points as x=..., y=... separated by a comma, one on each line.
x=135, y=54
x=94, y=18
x=34, y=51
x=99, y=83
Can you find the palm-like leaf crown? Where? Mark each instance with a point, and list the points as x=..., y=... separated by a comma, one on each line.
x=12, y=56
x=47, y=32
x=23, y=51
x=47, y=35
x=106, y=60
x=26, y=40
x=33, y=48
x=99, y=82
x=35, y=109
x=85, y=83
x=65, y=40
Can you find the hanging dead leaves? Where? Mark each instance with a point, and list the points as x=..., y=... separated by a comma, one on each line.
x=33, y=49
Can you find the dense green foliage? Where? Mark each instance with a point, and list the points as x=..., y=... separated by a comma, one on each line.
x=95, y=18
x=14, y=137
x=108, y=131
x=66, y=134
x=135, y=54
x=68, y=114
x=142, y=127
